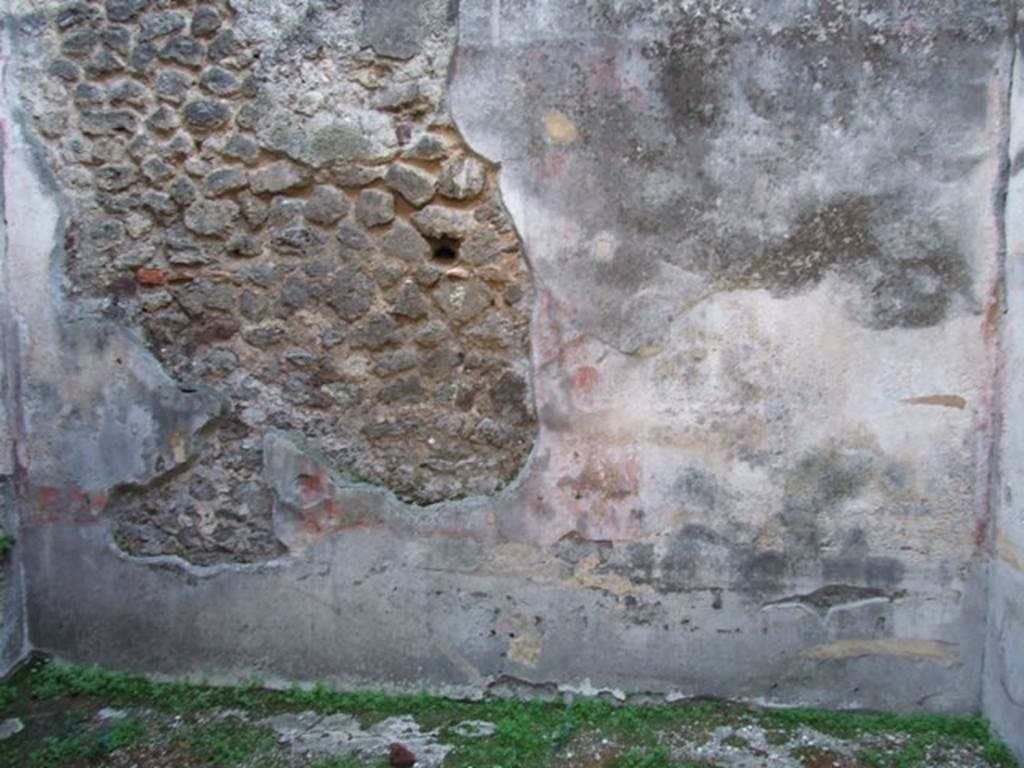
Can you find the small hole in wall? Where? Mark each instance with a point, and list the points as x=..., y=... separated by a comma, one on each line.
x=445, y=250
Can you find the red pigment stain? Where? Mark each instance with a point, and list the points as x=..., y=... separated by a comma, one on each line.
x=980, y=532
x=48, y=498
x=310, y=486
x=549, y=334
x=584, y=379
x=55, y=506
x=327, y=517
x=601, y=496
x=603, y=75
x=151, y=276
x=331, y=509
x=554, y=165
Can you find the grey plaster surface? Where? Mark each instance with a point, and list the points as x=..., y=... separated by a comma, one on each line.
x=1004, y=657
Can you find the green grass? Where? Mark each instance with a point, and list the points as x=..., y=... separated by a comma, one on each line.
x=346, y=762
x=528, y=734
x=79, y=745
x=657, y=757
x=226, y=742
x=122, y=734
x=924, y=731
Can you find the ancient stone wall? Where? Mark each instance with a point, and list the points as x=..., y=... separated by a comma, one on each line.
x=277, y=201
x=285, y=398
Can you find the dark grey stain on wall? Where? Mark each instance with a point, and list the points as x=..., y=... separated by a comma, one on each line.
x=721, y=102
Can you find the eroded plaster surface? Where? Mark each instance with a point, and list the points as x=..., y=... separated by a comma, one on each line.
x=727, y=285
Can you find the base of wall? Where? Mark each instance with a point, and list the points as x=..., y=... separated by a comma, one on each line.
x=1003, y=697
x=373, y=609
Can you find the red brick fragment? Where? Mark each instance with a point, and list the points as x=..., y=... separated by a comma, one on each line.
x=151, y=276
x=401, y=757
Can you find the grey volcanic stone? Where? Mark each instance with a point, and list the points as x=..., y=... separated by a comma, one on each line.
x=65, y=70
x=206, y=114
x=351, y=293
x=403, y=390
x=396, y=362
x=438, y=221
x=224, y=180
x=127, y=92
x=102, y=63
x=375, y=207
x=427, y=147
x=462, y=177
x=278, y=177
x=463, y=300
x=73, y=14
x=179, y=148
x=211, y=217
x=393, y=27
x=248, y=117
x=106, y=233
x=264, y=336
x=298, y=240
x=432, y=334
x=326, y=206
x=349, y=175
x=125, y=10
x=482, y=246
x=164, y=206
x=241, y=148
x=254, y=209
x=164, y=119
x=117, y=39
x=284, y=212
x=426, y=275
x=79, y=44
x=141, y=59
x=88, y=95
x=182, y=190
x=410, y=302
x=156, y=170
x=154, y=25
x=205, y=21
x=10, y=727
x=183, y=50
x=414, y=185
x=114, y=178
x=244, y=246
x=376, y=332
x=353, y=238
x=397, y=97
x=219, y=81
x=224, y=45
x=441, y=363
x=327, y=138
x=405, y=243
x=172, y=85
